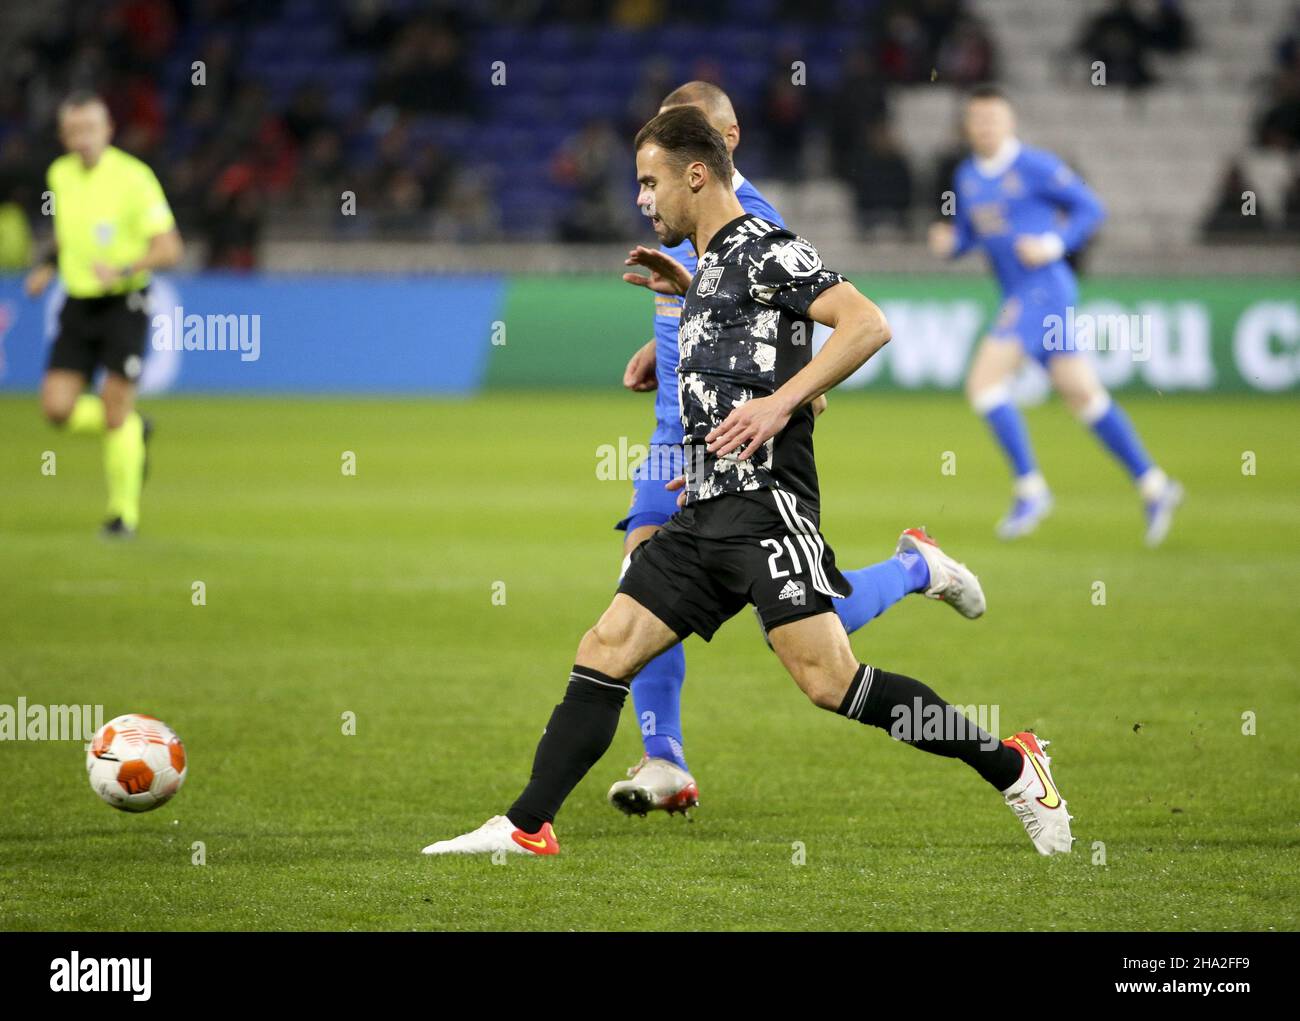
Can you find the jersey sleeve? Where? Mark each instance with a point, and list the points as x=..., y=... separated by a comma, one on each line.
x=787, y=273
x=1061, y=186
x=153, y=214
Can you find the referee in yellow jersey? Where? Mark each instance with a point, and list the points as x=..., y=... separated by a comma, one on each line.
x=112, y=227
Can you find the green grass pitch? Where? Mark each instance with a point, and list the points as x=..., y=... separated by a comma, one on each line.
x=373, y=595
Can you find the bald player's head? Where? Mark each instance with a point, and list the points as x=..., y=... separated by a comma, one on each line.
x=85, y=127
x=715, y=105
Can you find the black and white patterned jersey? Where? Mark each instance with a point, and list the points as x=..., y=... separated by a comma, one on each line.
x=744, y=332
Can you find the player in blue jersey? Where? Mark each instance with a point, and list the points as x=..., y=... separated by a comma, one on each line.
x=661, y=779
x=1027, y=210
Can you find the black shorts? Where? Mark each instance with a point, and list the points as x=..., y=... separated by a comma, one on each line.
x=110, y=331
x=713, y=557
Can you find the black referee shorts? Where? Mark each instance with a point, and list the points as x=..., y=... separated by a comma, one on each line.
x=712, y=558
x=110, y=331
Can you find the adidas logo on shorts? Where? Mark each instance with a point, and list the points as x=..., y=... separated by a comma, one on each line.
x=795, y=592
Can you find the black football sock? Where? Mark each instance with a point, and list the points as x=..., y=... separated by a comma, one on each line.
x=911, y=712
x=579, y=733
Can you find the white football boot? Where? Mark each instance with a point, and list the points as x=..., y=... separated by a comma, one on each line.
x=1031, y=503
x=1035, y=799
x=1166, y=496
x=951, y=581
x=499, y=834
x=655, y=785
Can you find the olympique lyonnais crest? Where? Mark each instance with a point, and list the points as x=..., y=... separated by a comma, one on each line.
x=709, y=281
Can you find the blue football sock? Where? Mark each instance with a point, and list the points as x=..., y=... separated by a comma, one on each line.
x=657, y=696
x=1115, y=430
x=918, y=571
x=880, y=586
x=1009, y=429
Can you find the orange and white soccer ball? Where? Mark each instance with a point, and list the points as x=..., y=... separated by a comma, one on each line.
x=136, y=762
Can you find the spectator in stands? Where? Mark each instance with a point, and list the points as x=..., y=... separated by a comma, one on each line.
x=1279, y=126
x=1121, y=40
x=857, y=102
x=1226, y=217
x=137, y=106
x=1291, y=207
x=435, y=170
x=594, y=165
x=883, y=180
x=403, y=205
x=233, y=224
x=146, y=29
x=913, y=34
x=219, y=73
x=369, y=26
x=1169, y=28
x=308, y=113
x=965, y=55
x=424, y=71
x=467, y=213
x=658, y=78
x=1288, y=47
x=785, y=119
x=904, y=52
x=321, y=170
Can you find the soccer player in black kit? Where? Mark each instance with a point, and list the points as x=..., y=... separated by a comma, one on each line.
x=747, y=531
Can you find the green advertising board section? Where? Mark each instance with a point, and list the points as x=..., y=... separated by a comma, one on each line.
x=1166, y=334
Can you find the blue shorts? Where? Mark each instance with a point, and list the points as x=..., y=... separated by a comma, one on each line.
x=1040, y=319
x=652, y=504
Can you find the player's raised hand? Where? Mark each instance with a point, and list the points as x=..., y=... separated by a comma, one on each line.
x=942, y=239
x=749, y=425
x=640, y=372
x=667, y=275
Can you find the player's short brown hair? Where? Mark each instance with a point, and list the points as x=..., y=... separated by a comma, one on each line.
x=685, y=135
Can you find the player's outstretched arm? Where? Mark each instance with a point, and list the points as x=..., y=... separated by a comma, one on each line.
x=858, y=330
x=667, y=275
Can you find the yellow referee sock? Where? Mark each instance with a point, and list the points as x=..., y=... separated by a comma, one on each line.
x=87, y=418
x=124, y=469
